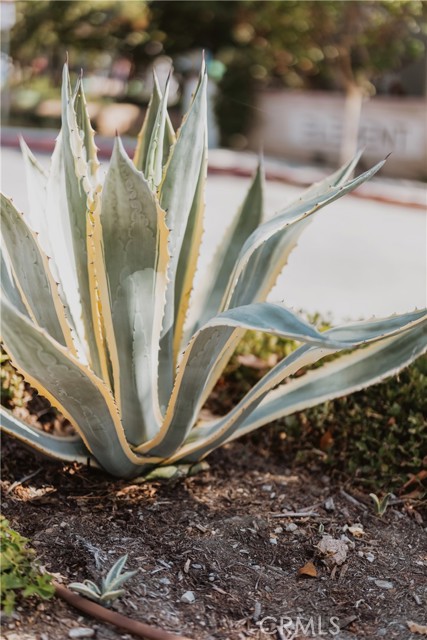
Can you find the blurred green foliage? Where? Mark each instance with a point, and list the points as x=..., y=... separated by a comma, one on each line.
x=83, y=29
x=377, y=436
x=13, y=391
x=19, y=572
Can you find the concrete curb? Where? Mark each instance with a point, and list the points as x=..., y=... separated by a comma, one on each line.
x=242, y=164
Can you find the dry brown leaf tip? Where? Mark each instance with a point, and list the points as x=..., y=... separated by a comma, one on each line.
x=414, y=627
x=356, y=530
x=308, y=571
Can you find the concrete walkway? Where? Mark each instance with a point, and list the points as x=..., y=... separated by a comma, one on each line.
x=359, y=257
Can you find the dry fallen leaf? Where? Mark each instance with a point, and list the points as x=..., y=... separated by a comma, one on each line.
x=356, y=530
x=334, y=550
x=308, y=570
x=326, y=441
x=416, y=478
x=417, y=628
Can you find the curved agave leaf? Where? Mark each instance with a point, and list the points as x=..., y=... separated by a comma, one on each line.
x=35, y=284
x=36, y=179
x=74, y=389
x=8, y=284
x=135, y=257
x=88, y=134
x=177, y=192
x=140, y=159
x=335, y=179
x=92, y=585
x=86, y=590
x=153, y=169
x=114, y=572
x=268, y=260
x=62, y=261
x=200, y=359
x=351, y=373
x=187, y=263
x=114, y=584
x=247, y=219
x=60, y=448
x=112, y=595
x=77, y=195
x=392, y=344
x=296, y=212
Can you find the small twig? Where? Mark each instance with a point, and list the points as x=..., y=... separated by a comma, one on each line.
x=134, y=627
x=350, y=498
x=95, y=551
x=17, y=483
x=296, y=514
x=393, y=503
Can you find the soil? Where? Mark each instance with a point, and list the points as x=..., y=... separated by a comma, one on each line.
x=223, y=535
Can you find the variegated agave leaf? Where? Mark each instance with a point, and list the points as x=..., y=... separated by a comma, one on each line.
x=96, y=287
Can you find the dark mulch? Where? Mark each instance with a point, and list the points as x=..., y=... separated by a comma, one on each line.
x=216, y=535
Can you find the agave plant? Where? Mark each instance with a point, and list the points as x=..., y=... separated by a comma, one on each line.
x=111, y=586
x=97, y=282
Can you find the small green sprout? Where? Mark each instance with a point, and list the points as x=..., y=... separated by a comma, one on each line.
x=380, y=504
x=109, y=589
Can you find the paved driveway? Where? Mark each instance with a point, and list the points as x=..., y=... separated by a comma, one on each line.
x=358, y=257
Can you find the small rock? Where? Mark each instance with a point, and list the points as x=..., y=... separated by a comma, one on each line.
x=329, y=504
x=369, y=556
x=273, y=540
x=81, y=632
x=291, y=527
x=334, y=550
x=257, y=611
x=164, y=581
x=188, y=597
x=384, y=584
x=278, y=530
x=348, y=541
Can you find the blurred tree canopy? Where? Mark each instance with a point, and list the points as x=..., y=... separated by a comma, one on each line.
x=298, y=44
x=329, y=44
x=51, y=28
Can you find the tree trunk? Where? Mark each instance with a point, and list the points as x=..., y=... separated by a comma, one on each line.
x=351, y=122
